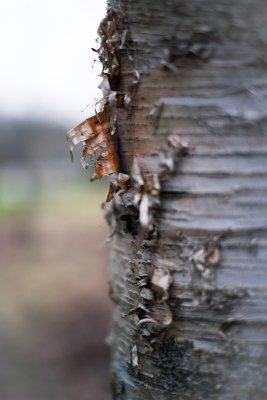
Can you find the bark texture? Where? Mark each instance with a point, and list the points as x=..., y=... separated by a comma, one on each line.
x=190, y=301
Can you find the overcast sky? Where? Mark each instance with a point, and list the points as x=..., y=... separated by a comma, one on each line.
x=46, y=58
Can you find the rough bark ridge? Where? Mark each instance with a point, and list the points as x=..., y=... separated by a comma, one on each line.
x=190, y=299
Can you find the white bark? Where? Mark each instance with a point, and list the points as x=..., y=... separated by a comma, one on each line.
x=203, y=77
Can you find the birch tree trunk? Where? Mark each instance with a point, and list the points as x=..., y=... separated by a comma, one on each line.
x=189, y=292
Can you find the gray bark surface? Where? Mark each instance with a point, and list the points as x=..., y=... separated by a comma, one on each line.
x=203, y=77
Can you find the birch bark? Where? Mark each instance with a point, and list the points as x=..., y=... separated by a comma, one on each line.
x=190, y=301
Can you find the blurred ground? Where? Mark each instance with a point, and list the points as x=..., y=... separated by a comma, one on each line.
x=54, y=307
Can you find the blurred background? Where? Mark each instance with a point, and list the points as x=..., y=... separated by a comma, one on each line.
x=54, y=307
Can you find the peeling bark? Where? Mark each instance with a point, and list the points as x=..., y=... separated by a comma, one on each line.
x=190, y=233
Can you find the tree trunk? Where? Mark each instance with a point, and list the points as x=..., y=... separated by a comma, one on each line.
x=189, y=251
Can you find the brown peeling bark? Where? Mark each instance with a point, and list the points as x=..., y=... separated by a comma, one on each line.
x=95, y=133
x=189, y=248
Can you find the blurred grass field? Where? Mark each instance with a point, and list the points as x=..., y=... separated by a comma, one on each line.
x=64, y=199
x=54, y=274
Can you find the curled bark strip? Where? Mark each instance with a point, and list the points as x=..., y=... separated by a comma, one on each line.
x=95, y=133
x=98, y=133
